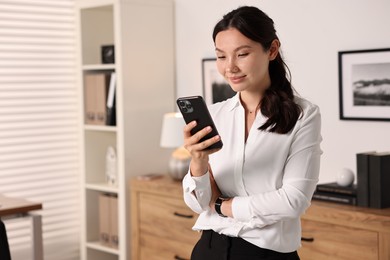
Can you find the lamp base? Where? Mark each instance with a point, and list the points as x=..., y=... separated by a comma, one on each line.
x=179, y=163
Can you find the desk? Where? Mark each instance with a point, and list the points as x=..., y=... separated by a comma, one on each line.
x=15, y=207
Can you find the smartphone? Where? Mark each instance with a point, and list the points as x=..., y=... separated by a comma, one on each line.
x=194, y=108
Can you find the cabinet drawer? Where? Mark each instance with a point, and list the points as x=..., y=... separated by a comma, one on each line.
x=157, y=248
x=337, y=242
x=163, y=217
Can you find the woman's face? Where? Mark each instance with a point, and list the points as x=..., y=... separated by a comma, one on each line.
x=242, y=61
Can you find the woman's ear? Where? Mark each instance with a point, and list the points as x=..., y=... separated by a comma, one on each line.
x=274, y=49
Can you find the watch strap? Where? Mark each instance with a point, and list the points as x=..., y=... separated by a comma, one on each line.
x=218, y=204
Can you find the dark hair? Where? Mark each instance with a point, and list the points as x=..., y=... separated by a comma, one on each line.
x=278, y=101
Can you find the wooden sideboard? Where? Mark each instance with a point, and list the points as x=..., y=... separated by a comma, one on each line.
x=341, y=232
x=160, y=221
x=161, y=227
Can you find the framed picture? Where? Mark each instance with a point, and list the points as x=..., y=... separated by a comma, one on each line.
x=364, y=84
x=215, y=87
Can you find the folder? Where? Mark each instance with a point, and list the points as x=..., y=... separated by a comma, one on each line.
x=101, y=81
x=363, y=181
x=111, y=104
x=90, y=100
x=379, y=169
x=96, y=87
x=104, y=219
x=114, y=235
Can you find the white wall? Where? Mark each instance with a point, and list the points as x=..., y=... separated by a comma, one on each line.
x=312, y=33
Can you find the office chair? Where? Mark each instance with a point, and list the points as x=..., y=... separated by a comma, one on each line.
x=4, y=246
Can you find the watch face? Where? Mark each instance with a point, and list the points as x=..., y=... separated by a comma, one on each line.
x=108, y=54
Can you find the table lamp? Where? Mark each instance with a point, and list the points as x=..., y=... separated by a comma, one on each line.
x=172, y=137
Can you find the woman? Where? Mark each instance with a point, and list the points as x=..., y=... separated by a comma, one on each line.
x=251, y=193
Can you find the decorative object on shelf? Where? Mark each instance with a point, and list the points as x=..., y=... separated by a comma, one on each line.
x=172, y=137
x=364, y=84
x=345, y=177
x=108, y=54
x=215, y=87
x=111, y=166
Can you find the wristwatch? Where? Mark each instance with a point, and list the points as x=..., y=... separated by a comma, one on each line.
x=218, y=204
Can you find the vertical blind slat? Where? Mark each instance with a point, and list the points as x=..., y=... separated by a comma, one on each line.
x=38, y=122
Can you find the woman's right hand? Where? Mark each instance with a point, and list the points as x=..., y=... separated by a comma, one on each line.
x=198, y=151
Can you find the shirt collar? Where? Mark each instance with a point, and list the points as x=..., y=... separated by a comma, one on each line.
x=234, y=101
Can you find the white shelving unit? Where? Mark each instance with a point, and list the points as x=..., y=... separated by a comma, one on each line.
x=142, y=33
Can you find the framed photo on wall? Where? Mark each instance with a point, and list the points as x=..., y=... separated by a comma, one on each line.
x=215, y=87
x=364, y=84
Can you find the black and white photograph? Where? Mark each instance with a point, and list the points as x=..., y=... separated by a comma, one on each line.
x=215, y=87
x=364, y=84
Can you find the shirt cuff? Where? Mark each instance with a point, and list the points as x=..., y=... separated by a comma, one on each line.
x=198, y=190
x=240, y=208
x=191, y=183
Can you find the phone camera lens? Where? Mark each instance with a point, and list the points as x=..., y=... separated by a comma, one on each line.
x=182, y=104
x=184, y=109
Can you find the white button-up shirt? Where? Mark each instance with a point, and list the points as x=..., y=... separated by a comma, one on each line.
x=271, y=177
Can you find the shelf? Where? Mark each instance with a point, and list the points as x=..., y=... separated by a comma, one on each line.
x=135, y=138
x=97, y=246
x=93, y=67
x=84, y=4
x=103, y=187
x=101, y=128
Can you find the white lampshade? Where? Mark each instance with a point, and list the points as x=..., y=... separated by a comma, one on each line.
x=172, y=130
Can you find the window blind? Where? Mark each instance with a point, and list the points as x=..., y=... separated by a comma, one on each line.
x=39, y=122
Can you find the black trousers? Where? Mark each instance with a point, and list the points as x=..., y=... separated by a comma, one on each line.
x=213, y=246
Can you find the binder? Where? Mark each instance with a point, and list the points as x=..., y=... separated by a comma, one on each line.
x=362, y=173
x=114, y=235
x=108, y=220
x=90, y=100
x=96, y=87
x=101, y=80
x=104, y=219
x=379, y=169
x=111, y=104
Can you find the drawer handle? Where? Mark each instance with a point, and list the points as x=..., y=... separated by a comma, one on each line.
x=180, y=258
x=307, y=239
x=182, y=215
